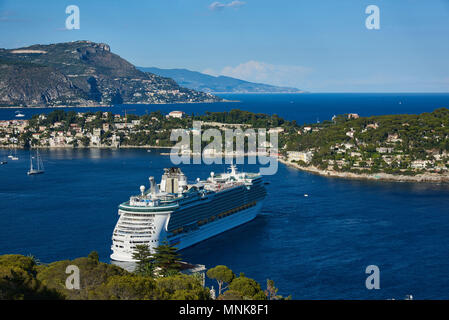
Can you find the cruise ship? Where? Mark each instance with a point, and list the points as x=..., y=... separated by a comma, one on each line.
x=184, y=214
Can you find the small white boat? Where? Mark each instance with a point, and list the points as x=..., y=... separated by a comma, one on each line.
x=40, y=165
x=19, y=114
x=13, y=155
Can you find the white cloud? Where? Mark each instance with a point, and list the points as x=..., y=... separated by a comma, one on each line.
x=254, y=71
x=219, y=5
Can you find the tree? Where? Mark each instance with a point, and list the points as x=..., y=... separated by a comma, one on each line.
x=94, y=256
x=230, y=295
x=92, y=274
x=144, y=258
x=166, y=259
x=85, y=141
x=126, y=287
x=271, y=291
x=222, y=274
x=18, y=280
x=247, y=287
x=182, y=287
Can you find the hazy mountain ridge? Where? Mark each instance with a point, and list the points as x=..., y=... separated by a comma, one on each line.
x=82, y=73
x=212, y=84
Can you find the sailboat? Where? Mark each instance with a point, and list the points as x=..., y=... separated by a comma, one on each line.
x=40, y=165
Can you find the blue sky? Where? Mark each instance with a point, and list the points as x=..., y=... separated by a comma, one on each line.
x=316, y=45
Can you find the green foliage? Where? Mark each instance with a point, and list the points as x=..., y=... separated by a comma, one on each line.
x=257, y=120
x=85, y=141
x=407, y=137
x=222, y=274
x=18, y=280
x=94, y=256
x=92, y=274
x=126, y=287
x=21, y=278
x=230, y=295
x=182, y=287
x=247, y=288
x=144, y=264
x=271, y=292
x=166, y=259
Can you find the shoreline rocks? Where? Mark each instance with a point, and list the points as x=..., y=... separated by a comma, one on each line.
x=426, y=177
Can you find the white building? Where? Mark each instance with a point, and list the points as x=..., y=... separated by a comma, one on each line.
x=176, y=114
x=419, y=164
x=300, y=156
x=276, y=130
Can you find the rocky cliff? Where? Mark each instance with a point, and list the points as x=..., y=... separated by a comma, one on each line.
x=82, y=73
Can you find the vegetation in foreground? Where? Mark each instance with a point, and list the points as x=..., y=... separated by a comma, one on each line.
x=157, y=277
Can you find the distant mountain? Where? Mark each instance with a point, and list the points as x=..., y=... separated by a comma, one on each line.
x=82, y=73
x=207, y=83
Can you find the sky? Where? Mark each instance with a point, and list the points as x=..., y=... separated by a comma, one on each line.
x=314, y=45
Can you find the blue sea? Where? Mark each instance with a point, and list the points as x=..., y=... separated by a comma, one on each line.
x=314, y=247
x=304, y=108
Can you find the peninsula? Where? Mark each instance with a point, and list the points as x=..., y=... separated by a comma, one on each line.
x=83, y=73
x=391, y=147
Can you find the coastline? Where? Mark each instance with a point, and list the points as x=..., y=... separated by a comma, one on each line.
x=56, y=107
x=83, y=147
x=224, y=92
x=111, y=106
x=426, y=177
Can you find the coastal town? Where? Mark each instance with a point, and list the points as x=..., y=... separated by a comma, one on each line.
x=406, y=147
x=347, y=145
x=102, y=129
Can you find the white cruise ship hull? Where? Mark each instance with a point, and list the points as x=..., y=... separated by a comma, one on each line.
x=212, y=229
x=202, y=233
x=185, y=214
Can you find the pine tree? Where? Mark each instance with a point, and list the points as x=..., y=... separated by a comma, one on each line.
x=144, y=264
x=223, y=275
x=166, y=259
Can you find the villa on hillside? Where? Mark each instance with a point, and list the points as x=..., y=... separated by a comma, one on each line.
x=176, y=114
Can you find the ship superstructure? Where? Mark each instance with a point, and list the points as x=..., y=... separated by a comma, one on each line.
x=185, y=214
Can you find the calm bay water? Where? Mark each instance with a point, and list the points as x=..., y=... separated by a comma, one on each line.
x=314, y=247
